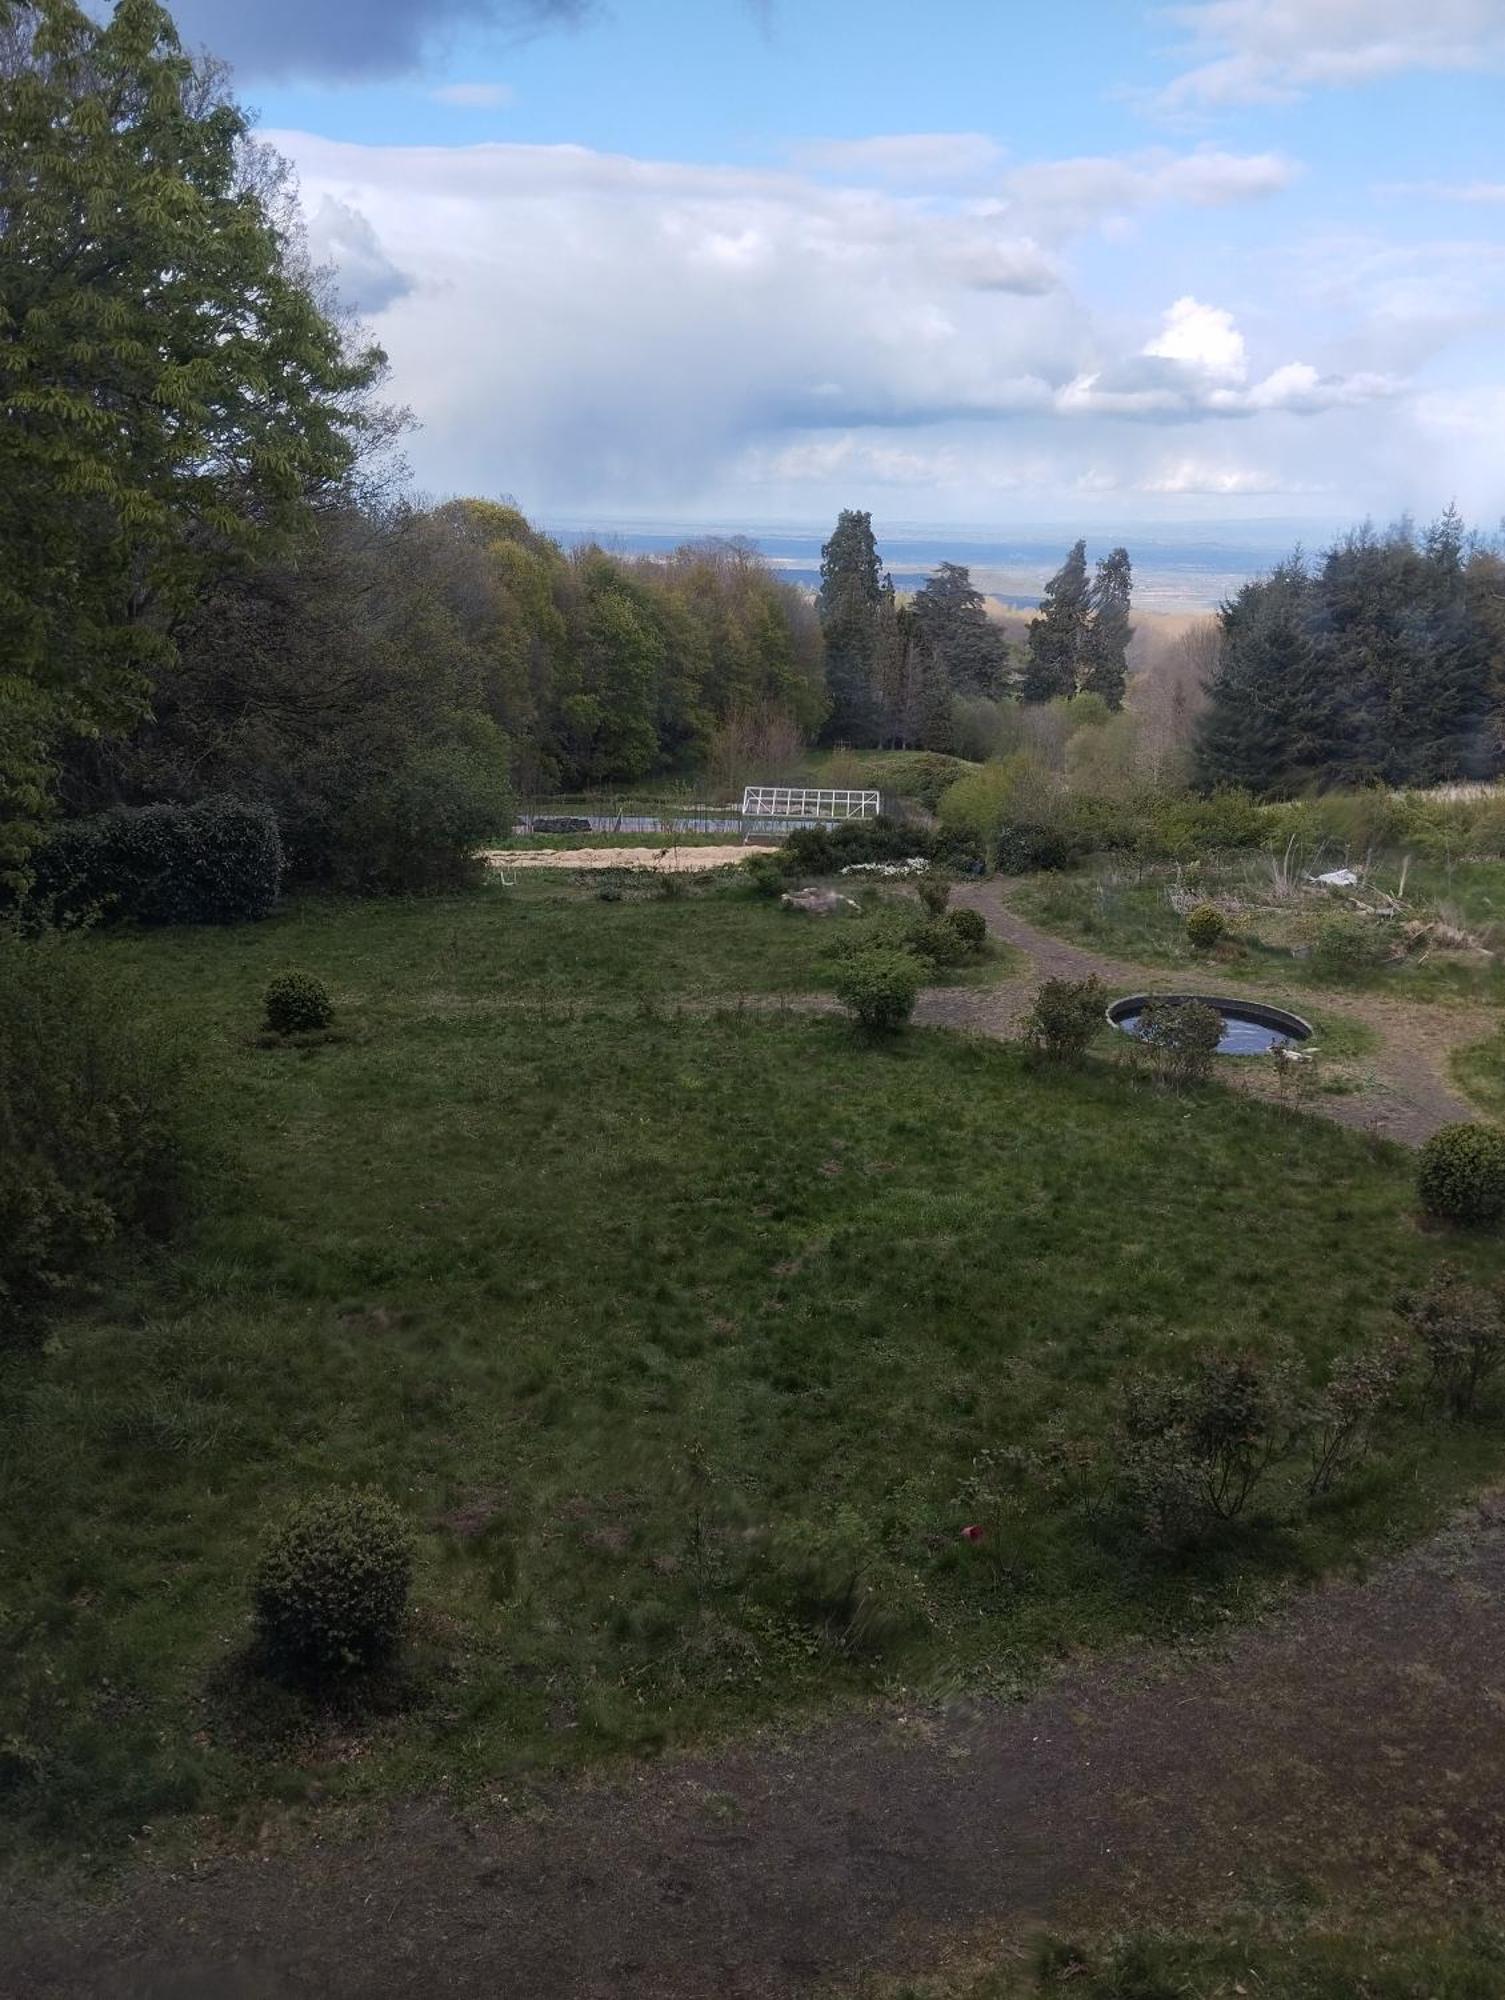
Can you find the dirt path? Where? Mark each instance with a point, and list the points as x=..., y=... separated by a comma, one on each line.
x=1356, y=1743
x=1407, y=1099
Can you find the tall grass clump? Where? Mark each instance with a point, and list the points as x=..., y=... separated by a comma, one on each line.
x=92, y=1123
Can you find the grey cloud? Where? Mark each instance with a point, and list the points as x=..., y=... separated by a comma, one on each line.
x=340, y=235
x=353, y=38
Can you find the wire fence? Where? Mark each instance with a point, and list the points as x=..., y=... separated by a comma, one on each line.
x=594, y=814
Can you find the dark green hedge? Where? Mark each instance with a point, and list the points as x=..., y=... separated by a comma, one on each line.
x=214, y=862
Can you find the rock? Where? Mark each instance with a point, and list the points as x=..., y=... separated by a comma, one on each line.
x=818, y=902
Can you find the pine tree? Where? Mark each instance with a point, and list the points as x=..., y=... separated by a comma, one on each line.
x=952, y=617
x=852, y=587
x=1264, y=698
x=1058, y=636
x=1105, y=663
x=171, y=392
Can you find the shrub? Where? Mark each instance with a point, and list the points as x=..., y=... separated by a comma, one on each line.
x=835, y=1576
x=331, y=1589
x=934, y=891
x=1066, y=1018
x=1347, y=945
x=937, y=943
x=1205, y=926
x=298, y=1004
x=1025, y=847
x=972, y=929
x=215, y=862
x=416, y=825
x=93, y=1145
x=1338, y=1423
x=1189, y=1454
x=879, y=988
x=764, y=875
x=1182, y=1037
x=1461, y=1173
x=1460, y=1330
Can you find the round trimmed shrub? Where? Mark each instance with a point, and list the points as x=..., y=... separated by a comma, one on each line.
x=298, y=1004
x=936, y=943
x=879, y=988
x=1205, y=926
x=971, y=928
x=1461, y=1174
x=331, y=1589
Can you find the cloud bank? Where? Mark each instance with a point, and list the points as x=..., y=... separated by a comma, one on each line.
x=353, y=39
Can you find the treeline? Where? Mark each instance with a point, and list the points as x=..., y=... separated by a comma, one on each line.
x=902, y=675
x=210, y=585
x=1381, y=664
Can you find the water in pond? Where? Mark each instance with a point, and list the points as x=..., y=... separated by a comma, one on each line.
x=1243, y=1035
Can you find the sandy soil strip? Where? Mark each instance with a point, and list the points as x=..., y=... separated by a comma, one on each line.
x=669, y=860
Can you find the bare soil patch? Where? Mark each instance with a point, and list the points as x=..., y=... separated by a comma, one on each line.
x=662, y=860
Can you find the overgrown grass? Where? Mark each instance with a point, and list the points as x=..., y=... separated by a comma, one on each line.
x=1126, y=909
x=690, y=1343
x=1308, y=1965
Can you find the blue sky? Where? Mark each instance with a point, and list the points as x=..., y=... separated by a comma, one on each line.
x=701, y=260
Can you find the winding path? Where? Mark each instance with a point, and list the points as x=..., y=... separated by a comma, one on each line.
x=1409, y=1095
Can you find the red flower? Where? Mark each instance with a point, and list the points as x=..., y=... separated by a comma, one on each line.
x=973, y=1533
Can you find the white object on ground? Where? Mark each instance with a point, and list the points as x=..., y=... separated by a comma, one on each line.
x=1338, y=878
x=667, y=860
x=818, y=902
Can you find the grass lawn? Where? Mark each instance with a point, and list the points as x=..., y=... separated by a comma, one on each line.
x=1124, y=908
x=689, y=1343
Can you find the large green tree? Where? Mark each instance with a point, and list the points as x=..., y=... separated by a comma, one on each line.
x=1105, y=649
x=952, y=618
x=1057, y=638
x=173, y=394
x=851, y=607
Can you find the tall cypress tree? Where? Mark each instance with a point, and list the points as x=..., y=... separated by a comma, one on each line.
x=951, y=614
x=1057, y=637
x=1105, y=661
x=851, y=603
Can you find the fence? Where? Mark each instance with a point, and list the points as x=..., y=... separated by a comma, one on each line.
x=630, y=815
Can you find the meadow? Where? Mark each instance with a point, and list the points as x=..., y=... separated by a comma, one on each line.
x=693, y=1340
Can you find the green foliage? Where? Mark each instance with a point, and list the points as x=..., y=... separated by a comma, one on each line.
x=330, y=1593
x=934, y=891
x=173, y=394
x=417, y=827
x=764, y=875
x=1182, y=1037
x=1459, y=1330
x=298, y=1004
x=971, y=928
x=1460, y=1173
x=215, y=862
x=879, y=988
x=92, y=1126
x=835, y=1575
x=1066, y=1018
x=1058, y=637
x=1205, y=926
x=1347, y=944
x=1190, y=1452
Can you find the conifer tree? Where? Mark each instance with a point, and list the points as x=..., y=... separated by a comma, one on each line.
x=952, y=617
x=1058, y=636
x=1105, y=664
x=852, y=587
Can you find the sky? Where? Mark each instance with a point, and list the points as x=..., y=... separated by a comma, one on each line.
x=750, y=261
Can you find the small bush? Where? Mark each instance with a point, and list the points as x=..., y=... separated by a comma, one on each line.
x=298, y=1004
x=1024, y=849
x=1459, y=1330
x=971, y=928
x=1066, y=1018
x=879, y=988
x=93, y=1123
x=1190, y=1454
x=937, y=943
x=1347, y=945
x=835, y=1576
x=934, y=892
x=1461, y=1173
x=1182, y=1037
x=331, y=1589
x=1337, y=1425
x=1205, y=926
x=764, y=875
x=215, y=862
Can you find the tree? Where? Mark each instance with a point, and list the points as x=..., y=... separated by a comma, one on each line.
x=1058, y=636
x=1264, y=696
x=952, y=619
x=1105, y=663
x=173, y=394
x=851, y=603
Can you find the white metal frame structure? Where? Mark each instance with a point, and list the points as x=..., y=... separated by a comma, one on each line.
x=800, y=802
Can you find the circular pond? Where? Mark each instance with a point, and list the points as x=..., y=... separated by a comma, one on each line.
x=1249, y=1029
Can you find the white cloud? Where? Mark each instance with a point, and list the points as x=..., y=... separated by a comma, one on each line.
x=1204, y=337
x=906, y=157
x=342, y=236
x=1072, y=195
x=1222, y=482
x=475, y=96
x=1271, y=51
x=1483, y=192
